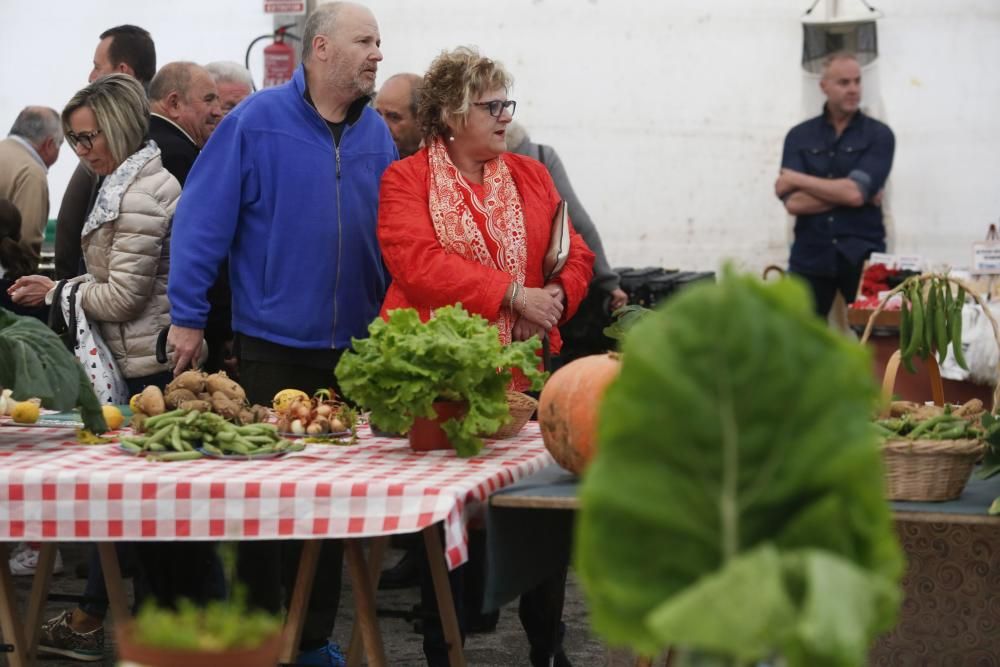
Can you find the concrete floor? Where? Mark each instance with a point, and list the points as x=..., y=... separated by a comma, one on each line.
x=505, y=647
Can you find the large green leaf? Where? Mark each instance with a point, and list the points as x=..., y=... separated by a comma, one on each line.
x=739, y=420
x=35, y=363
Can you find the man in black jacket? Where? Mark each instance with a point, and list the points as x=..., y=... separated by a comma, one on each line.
x=184, y=108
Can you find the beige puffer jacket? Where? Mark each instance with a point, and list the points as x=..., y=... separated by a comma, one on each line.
x=126, y=248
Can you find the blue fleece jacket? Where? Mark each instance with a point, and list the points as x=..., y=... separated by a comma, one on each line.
x=296, y=217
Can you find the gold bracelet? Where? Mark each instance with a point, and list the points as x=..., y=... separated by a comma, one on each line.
x=513, y=296
x=524, y=300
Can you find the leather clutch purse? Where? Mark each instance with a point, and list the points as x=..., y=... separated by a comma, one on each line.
x=558, y=252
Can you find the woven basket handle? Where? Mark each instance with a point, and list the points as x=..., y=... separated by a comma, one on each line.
x=889, y=380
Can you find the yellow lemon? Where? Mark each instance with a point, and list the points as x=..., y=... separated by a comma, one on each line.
x=25, y=412
x=133, y=403
x=286, y=397
x=113, y=416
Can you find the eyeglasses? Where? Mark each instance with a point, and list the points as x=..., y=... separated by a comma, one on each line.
x=85, y=139
x=496, y=107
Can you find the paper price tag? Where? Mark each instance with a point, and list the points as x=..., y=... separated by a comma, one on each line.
x=903, y=262
x=986, y=257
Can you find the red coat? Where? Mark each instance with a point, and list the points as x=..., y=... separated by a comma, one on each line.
x=426, y=277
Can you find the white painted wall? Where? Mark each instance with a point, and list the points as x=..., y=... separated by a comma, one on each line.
x=669, y=115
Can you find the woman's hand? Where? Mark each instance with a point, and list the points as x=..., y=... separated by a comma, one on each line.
x=540, y=306
x=30, y=290
x=618, y=299
x=523, y=330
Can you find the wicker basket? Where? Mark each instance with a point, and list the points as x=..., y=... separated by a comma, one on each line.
x=521, y=408
x=927, y=470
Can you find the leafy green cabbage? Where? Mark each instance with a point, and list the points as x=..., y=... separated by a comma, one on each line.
x=35, y=363
x=405, y=365
x=735, y=507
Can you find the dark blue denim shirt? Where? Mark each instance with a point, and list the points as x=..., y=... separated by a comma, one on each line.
x=863, y=153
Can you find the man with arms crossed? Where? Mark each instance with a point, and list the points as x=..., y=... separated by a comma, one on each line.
x=833, y=170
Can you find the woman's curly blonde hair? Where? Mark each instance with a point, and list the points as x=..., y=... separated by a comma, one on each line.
x=452, y=82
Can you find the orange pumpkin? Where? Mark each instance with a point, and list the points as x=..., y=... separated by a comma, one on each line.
x=568, y=408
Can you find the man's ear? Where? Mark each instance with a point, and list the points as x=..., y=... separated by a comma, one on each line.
x=172, y=103
x=124, y=68
x=320, y=45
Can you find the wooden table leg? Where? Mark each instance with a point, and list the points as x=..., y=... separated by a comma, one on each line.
x=300, y=600
x=10, y=628
x=442, y=591
x=117, y=600
x=39, y=594
x=376, y=554
x=364, y=603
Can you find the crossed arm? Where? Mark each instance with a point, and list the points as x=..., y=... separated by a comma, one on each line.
x=804, y=194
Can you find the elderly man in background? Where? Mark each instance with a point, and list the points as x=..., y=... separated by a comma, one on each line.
x=124, y=49
x=233, y=81
x=184, y=109
x=25, y=157
x=317, y=153
x=397, y=103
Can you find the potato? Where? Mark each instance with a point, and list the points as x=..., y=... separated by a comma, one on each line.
x=246, y=416
x=221, y=382
x=260, y=413
x=151, y=401
x=193, y=381
x=177, y=396
x=138, y=422
x=226, y=408
x=200, y=406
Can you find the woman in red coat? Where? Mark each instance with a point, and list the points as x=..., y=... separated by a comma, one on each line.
x=464, y=221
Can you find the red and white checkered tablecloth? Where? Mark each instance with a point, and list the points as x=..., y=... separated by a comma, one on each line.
x=54, y=489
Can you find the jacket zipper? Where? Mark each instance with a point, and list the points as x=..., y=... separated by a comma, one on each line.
x=336, y=186
x=340, y=239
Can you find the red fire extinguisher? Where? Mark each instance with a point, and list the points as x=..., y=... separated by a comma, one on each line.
x=279, y=61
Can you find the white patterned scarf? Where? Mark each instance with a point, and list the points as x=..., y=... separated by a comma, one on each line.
x=500, y=213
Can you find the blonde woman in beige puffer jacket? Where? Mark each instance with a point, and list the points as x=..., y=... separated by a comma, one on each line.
x=126, y=237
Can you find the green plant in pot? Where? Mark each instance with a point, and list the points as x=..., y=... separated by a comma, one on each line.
x=223, y=633
x=405, y=366
x=734, y=511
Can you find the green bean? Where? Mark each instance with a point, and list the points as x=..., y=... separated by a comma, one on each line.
x=940, y=328
x=917, y=324
x=177, y=456
x=165, y=418
x=905, y=333
x=929, y=314
x=927, y=425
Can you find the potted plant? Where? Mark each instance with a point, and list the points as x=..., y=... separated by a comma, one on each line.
x=223, y=633
x=405, y=367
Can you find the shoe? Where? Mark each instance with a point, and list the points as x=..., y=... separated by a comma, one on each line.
x=58, y=638
x=328, y=656
x=540, y=659
x=23, y=563
x=403, y=574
